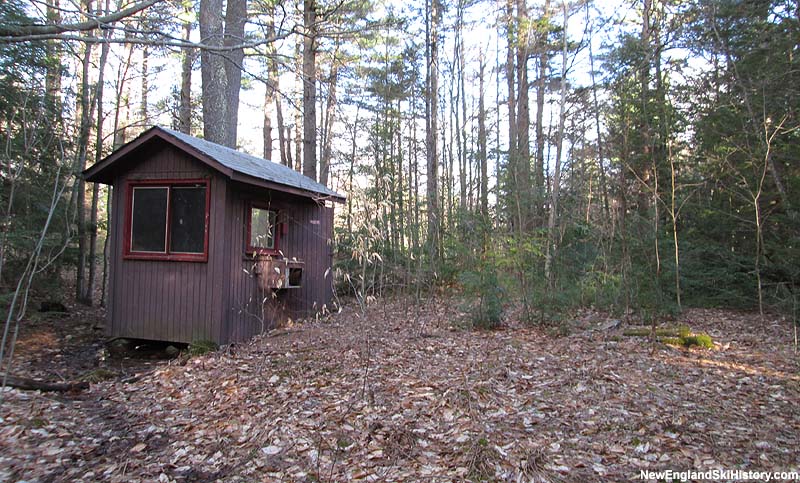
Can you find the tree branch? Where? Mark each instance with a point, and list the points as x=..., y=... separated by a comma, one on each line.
x=164, y=42
x=9, y=32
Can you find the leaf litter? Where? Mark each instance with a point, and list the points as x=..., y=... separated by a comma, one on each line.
x=398, y=393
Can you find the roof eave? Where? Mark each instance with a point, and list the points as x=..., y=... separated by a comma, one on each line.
x=255, y=181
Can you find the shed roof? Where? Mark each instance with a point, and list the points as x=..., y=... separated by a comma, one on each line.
x=236, y=165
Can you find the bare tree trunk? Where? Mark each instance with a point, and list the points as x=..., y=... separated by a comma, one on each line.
x=523, y=176
x=119, y=139
x=399, y=170
x=461, y=121
x=552, y=219
x=53, y=75
x=484, y=182
x=235, y=19
x=271, y=97
x=282, y=136
x=79, y=193
x=288, y=136
x=674, y=216
x=145, y=87
x=512, y=111
x=106, y=252
x=330, y=117
x=414, y=173
x=298, y=142
x=266, y=130
x=222, y=73
x=354, y=144
x=98, y=155
x=212, y=71
x=185, y=108
x=298, y=94
x=432, y=112
x=446, y=192
x=464, y=164
x=600, y=162
x=539, y=180
x=449, y=144
x=309, y=89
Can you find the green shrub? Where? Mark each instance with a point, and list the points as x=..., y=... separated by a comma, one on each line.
x=486, y=312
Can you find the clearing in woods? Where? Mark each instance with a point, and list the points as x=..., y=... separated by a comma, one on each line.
x=399, y=394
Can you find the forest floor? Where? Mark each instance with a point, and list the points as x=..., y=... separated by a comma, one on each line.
x=400, y=393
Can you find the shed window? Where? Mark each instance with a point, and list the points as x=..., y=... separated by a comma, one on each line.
x=168, y=220
x=262, y=230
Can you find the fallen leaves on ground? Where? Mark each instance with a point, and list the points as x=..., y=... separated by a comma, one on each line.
x=399, y=394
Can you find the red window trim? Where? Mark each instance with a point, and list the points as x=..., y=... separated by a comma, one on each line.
x=277, y=233
x=167, y=256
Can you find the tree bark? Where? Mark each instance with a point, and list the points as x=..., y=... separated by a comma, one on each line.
x=523, y=176
x=32, y=385
x=185, y=108
x=212, y=71
x=221, y=73
x=541, y=82
x=145, y=87
x=596, y=105
x=309, y=89
x=512, y=111
x=484, y=183
x=271, y=96
x=330, y=117
x=235, y=19
x=283, y=138
x=53, y=76
x=298, y=115
x=552, y=219
x=98, y=155
x=432, y=111
x=79, y=192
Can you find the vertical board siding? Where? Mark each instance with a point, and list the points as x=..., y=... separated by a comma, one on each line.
x=220, y=299
x=168, y=300
x=305, y=241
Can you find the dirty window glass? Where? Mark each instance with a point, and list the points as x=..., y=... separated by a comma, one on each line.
x=187, y=219
x=149, y=219
x=262, y=228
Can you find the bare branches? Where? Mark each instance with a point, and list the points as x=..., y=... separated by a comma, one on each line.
x=10, y=32
x=164, y=41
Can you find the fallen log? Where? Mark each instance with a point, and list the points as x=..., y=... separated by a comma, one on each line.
x=34, y=385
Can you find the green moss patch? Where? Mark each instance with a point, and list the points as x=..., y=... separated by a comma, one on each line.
x=679, y=331
x=677, y=336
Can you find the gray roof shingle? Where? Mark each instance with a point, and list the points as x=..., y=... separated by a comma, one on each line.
x=252, y=165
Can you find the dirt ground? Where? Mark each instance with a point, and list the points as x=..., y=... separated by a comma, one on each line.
x=400, y=393
x=71, y=346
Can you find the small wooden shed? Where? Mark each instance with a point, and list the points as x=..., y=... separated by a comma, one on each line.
x=208, y=243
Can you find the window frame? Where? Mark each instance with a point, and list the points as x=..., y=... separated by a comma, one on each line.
x=167, y=255
x=250, y=249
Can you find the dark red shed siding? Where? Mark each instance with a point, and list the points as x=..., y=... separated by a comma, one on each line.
x=219, y=299
x=168, y=300
x=252, y=309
